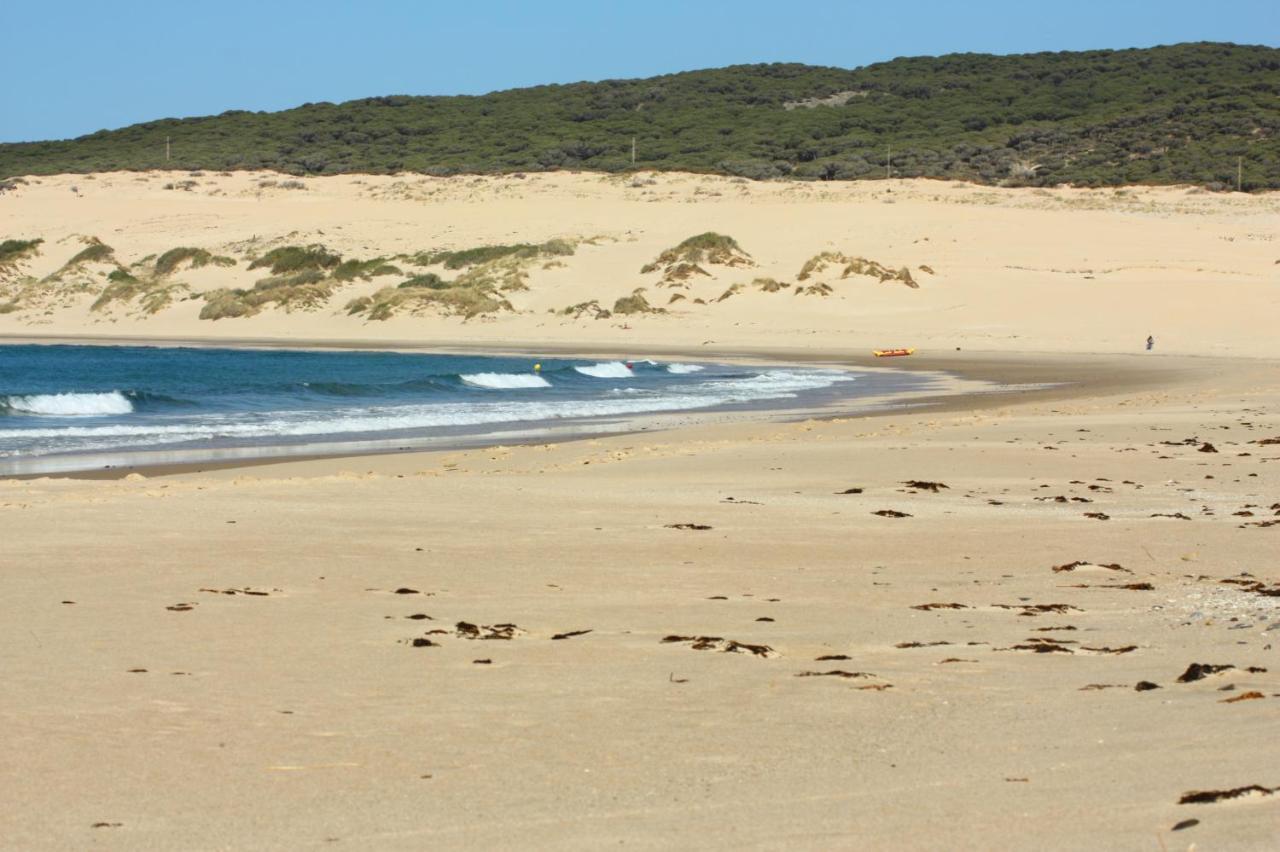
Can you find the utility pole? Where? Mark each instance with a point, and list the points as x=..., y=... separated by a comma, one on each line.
x=166, y=149
x=633, y=150
x=888, y=164
x=1239, y=174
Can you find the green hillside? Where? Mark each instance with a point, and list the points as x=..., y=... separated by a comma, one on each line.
x=1179, y=114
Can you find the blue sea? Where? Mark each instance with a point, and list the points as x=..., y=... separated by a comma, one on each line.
x=82, y=407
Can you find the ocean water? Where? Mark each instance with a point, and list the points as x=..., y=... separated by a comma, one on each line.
x=83, y=404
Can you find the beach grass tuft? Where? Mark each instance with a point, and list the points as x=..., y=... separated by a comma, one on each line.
x=296, y=258
x=12, y=251
x=636, y=303
x=196, y=258
x=95, y=252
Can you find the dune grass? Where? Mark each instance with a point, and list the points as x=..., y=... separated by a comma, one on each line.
x=851, y=265
x=297, y=258
x=636, y=303
x=428, y=279
x=303, y=278
x=12, y=251
x=449, y=299
x=682, y=262
x=151, y=296
x=95, y=252
x=464, y=258
x=352, y=269
x=591, y=308
x=300, y=290
x=168, y=262
x=707, y=248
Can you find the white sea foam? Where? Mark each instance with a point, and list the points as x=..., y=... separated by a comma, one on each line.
x=607, y=370
x=69, y=404
x=680, y=369
x=506, y=381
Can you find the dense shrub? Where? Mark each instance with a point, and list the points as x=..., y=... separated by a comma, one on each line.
x=1180, y=113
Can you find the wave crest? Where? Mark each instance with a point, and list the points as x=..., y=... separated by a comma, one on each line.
x=681, y=369
x=69, y=404
x=607, y=370
x=505, y=381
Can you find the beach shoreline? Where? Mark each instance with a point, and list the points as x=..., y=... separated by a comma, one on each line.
x=997, y=376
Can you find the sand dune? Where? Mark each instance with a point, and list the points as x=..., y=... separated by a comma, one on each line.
x=999, y=269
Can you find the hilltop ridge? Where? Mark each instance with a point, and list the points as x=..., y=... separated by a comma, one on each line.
x=1189, y=113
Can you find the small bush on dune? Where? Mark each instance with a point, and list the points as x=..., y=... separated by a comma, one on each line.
x=591, y=308
x=349, y=270
x=307, y=289
x=296, y=258
x=94, y=252
x=818, y=289
x=636, y=303
x=429, y=280
x=507, y=274
x=296, y=279
x=151, y=297
x=168, y=262
x=463, y=258
x=854, y=266
x=819, y=262
x=731, y=292
x=708, y=248
x=12, y=251
x=451, y=300
x=769, y=285
x=224, y=304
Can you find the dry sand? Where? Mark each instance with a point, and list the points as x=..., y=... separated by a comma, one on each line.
x=153, y=700
x=1014, y=270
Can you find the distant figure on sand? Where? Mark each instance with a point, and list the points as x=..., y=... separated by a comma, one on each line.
x=1151, y=342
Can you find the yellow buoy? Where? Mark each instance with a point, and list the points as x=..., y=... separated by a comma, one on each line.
x=537, y=368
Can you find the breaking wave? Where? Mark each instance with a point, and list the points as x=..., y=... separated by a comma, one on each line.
x=505, y=381
x=607, y=370
x=68, y=404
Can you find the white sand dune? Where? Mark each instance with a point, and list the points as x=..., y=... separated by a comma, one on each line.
x=1013, y=269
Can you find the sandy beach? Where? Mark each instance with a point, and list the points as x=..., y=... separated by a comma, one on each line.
x=1037, y=620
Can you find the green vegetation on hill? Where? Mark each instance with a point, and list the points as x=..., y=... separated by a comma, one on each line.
x=1183, y=113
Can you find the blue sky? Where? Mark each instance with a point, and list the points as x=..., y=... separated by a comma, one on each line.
x=71, y=67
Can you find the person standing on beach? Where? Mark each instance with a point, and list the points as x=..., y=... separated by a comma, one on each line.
x=1151, y=342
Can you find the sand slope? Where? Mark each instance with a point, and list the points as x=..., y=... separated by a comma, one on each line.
x=1044, y=270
